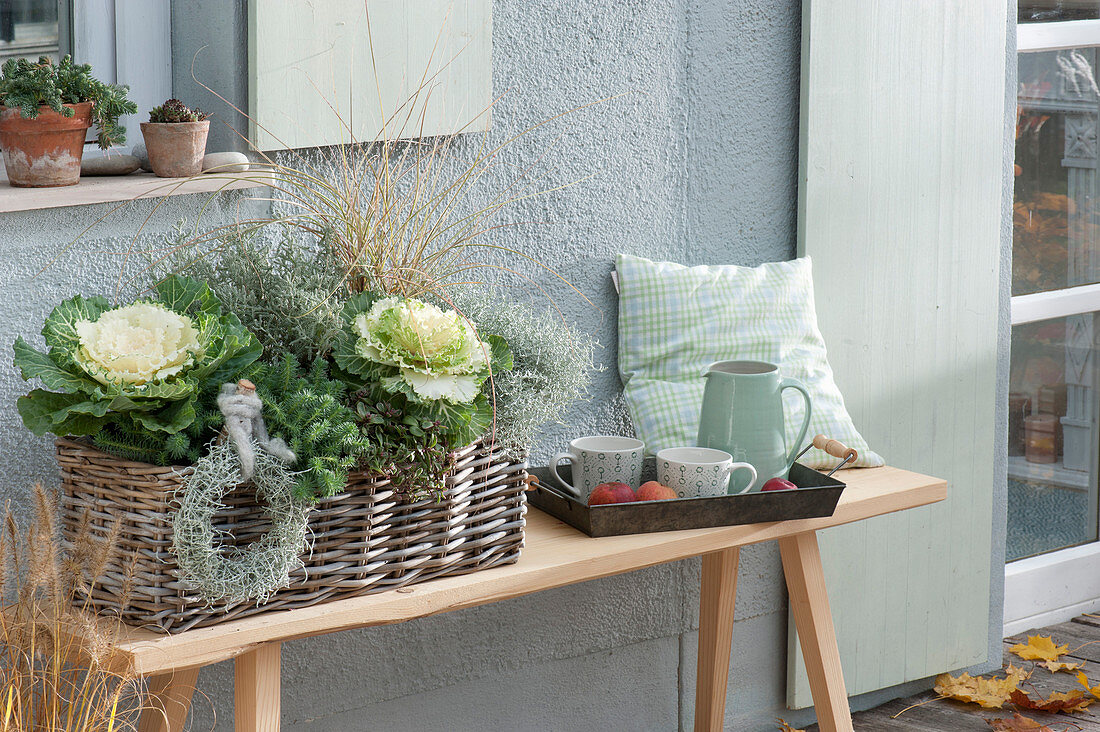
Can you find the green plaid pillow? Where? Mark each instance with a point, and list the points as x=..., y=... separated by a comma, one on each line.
x=674, y=321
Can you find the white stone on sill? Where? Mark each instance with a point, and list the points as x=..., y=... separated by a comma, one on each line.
x=225, y=162
x=113, y=164
x=142, y=155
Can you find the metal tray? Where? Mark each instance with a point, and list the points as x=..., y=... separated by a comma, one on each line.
x=817, y=496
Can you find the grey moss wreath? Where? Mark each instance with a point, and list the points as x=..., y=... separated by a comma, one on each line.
x=231, y=574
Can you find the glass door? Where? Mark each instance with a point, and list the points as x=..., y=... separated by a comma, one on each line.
x=1054, y=380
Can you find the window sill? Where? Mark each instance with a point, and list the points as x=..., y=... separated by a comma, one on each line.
x=110, y=189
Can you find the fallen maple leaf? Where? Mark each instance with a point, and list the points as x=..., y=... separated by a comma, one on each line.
x=989, y=693
x=1017, y=723
x=1059, y=701
x=1039, y=648
x=1084, y=681
x=784, y=727
x=1054, y=666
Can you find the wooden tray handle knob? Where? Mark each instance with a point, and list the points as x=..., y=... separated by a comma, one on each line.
x=836, y=448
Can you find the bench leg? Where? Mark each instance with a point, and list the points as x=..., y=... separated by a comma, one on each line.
x=810, y=607
x=716, y=599
x=257, y=703
x=169, y=699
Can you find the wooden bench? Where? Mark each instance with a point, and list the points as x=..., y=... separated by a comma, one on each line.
x=555, y=555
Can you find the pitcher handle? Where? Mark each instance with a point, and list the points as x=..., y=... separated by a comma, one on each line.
x=789, y=383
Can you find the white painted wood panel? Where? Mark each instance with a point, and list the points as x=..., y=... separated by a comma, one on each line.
x=312, y=80
x=143, y=57
x=900, y=207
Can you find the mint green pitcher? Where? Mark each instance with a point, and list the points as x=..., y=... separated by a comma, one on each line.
x=743, y=415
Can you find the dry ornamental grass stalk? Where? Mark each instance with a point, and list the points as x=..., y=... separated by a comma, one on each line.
x=56, y=671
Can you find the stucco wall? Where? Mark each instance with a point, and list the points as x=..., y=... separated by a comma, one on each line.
x=698, y=164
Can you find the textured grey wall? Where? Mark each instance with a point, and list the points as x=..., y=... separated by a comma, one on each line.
x=698, y=164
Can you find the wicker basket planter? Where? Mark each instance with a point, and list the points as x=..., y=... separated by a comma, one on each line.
x=367, y=539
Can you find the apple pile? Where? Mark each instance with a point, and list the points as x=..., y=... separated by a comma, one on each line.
x=616, y=492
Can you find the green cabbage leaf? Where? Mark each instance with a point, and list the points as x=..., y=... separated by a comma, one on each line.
x=81, y=392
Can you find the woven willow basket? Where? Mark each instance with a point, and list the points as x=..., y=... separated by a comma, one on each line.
x=367, y=539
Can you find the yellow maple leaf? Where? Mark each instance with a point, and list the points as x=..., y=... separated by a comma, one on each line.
x=785, y=727
x=988, y=693
x=1084, y=681
x=1039, y=648
x=1054, y=666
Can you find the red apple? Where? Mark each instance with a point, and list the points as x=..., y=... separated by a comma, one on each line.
x=778, y=484
x=606, y=493
x=654, y=491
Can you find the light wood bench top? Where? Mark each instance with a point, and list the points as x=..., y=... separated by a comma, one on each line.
x=555, y=555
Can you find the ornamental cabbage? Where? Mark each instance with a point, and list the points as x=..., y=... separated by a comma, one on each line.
x=437, y=353
x=430, y=358
x=137, y=344
x=141, y=366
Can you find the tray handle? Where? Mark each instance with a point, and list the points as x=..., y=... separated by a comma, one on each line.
x=534, y=484
x=836, y=448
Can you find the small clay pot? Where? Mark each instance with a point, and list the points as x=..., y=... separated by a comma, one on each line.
x=44, y=151
x=175, y=148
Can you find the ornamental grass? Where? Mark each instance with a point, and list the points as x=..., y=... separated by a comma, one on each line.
x=56, y=670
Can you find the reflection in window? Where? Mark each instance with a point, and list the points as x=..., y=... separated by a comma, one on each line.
x=1056, y=212
x=28, y=28
x=1046, y=11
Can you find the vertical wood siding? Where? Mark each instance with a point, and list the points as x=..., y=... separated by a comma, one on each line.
x=900, y=208
x=304, y=53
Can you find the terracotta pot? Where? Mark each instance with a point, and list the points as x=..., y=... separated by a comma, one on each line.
x=44, y=151
x=175, y=149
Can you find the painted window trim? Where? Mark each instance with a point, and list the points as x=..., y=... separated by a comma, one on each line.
x=1051, y=588
x=1056, y=586
x=1038, y=37
x=1055, y=304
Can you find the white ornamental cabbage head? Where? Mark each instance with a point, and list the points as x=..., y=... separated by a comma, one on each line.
x=137, y=344
x=437, y=352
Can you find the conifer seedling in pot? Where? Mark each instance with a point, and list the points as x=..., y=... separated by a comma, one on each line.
x=46, y=109
x=175, y=138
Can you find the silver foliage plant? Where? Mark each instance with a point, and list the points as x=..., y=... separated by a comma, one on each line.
x=285, y=293
x=552, y=363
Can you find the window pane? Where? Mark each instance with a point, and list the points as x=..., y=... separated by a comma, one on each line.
x=28, y=28
x=1052, y=10
x=1056, y=237
x=1052, y=437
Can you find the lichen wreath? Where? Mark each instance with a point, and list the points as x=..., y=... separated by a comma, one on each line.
x=228, y=574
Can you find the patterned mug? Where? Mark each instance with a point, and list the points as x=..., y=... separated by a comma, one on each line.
x=699, y=471
x=600, y=459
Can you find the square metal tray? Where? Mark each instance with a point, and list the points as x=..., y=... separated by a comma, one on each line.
x=817, y=496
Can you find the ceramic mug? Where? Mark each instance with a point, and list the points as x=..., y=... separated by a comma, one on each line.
x=600, y=459
x=699, y=471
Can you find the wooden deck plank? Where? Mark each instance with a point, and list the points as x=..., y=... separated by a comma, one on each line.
x=951, y=716
x=555, y=555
